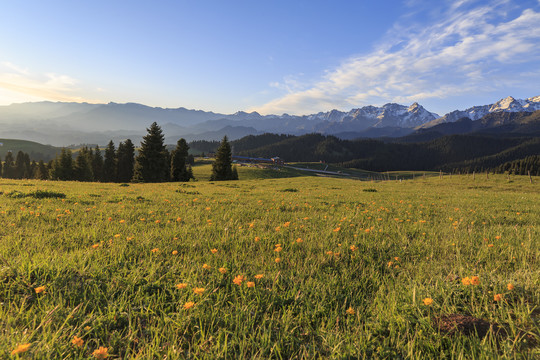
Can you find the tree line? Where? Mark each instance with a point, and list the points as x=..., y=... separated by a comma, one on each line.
x=152, y=163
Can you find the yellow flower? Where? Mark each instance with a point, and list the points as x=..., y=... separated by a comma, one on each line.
x=428, y=301
x=466, y=281
x=222, y=270
x=510, y=287
x=206, y=266
x=181, y=286
x=278, y=249
x=20, y=349
x=117, y=235
x=475, y=280
x=39, y=289
x=198, y=291
x=353, y=248
x=213, y=251
x=189, y=305
x=238, y=279
x=497, y=297
x=175, y=252
x=259, y=276
x=101, y=353
x=77, y=341
x=390, y=263
x=250, y=284
x=350, y=311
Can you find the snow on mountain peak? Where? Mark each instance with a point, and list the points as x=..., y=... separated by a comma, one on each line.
x=508, y=104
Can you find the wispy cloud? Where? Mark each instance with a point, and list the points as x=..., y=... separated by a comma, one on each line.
x=468, y=48
x=22, y=82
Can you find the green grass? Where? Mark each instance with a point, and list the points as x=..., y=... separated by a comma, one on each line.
x=104, y=254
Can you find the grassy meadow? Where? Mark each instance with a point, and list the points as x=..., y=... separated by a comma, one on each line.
x=297, y=267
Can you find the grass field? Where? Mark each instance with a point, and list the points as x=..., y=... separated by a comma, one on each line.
x=300, y=267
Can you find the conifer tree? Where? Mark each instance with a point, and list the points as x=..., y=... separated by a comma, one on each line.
x=222, y=166
x=62, y=166
x=180, y=171
x=109, y=163
x=19, y=166
x=41, y=172
x=97, y=164
x=83, y=165
x=125, y=157
x=152, y=162
x=9, y=166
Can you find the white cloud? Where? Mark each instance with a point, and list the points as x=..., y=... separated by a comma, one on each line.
x=20, y=83
x=455, y=55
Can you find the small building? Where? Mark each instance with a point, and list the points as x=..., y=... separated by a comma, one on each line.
x=246, y=159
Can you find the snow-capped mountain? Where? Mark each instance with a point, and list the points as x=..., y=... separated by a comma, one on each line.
x=389, y=115
x=508, y=104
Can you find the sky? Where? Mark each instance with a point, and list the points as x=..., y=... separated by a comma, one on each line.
x=274, y=57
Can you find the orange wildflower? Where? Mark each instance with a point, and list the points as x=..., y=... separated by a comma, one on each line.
x=20, y=349
x=350, y=311
x=39, y=289
x=250, y=284
x=101, y=353
x=77, y=341
x=337, y=229
x=466, y=281
x=428, y=301
x=198, y=291
x=353, y=248
x=206, y=266
x=497, y=297
x=259, y=276
x=238, y=279
x=277, y=260
x=257, y=238
x=299, y=240
x=222, y=270
x=181, y=286
x=189, y=305
x=214, y=251
x=510, y=287
x=475, y=280
x=155, y=250
x=175, y=252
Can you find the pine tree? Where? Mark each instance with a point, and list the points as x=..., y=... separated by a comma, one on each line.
x=41, y=172
x=109, y=163
x=97, y=164
x=180, y=171
x=9, y=166
x=19, y=165
x=125, y=157
x=222, y=166
x=62, y=166
x=83, y=165
x=152, y=162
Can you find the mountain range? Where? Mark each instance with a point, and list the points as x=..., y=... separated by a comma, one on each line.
x=62, y=124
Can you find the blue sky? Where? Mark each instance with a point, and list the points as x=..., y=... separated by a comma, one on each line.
x=295, y=57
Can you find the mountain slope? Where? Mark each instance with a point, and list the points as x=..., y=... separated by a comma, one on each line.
x=506, y=105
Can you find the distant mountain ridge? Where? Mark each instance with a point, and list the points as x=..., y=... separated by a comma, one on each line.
x=508, y=104
x=62, y=124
